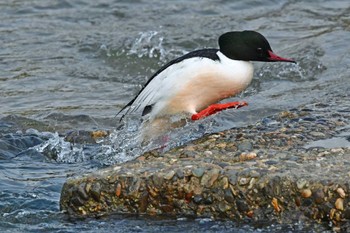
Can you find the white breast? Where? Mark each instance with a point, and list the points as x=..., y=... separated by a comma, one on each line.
x=194, y=84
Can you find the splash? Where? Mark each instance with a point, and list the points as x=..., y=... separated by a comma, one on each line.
x=123, y=144
x=148, y=44
x=58, y=149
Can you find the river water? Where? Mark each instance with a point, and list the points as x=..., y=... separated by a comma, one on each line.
x=71, y=65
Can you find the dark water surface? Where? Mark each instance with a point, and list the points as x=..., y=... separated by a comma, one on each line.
x=72, y=65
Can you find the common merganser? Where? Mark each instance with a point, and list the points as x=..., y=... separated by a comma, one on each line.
x=195, y=82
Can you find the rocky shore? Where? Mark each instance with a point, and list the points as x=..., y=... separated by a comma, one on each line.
x=291, y=166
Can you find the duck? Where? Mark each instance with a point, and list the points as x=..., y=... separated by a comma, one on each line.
x=193, y=85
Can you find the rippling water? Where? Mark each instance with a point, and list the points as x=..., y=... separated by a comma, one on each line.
x=71, y=65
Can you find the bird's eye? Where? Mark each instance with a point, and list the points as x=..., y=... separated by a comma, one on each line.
x=259, y=51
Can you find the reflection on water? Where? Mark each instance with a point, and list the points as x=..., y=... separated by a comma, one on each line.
x=69, y=66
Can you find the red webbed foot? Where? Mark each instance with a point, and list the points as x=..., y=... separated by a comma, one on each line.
x=214, y=108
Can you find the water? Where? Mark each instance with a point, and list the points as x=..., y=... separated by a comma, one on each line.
x=71, y=65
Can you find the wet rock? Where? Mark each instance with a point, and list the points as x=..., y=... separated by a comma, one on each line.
x=99, y=134
x=242, y=206
x=81, y=136
x=243, y=180
x=157, y=180
x=339, y=204
x=341, y=192
x=180, y=174
x=118, y=190
x=317, y=134
x=225, y=183
x=247, y=156
x=210, y=177
x=325, y=208
x=228, y=196
x=208, y=200
x=285, y=181
x=254, y=174
x=273, y=188
x=198, y=172
x=208, y=153
x=306, y=193
x=232, y=177
x=275, y=205
x=95, y=191
x=347, y=213
x=297, y=201
x=223, y=207
x=271, y=162
x=307, y=202
x=302, y=183
x=143, y=203
x=198, y=199
x=77, y=201
x=245, y=146
x=169, y=175
x=81, y=192
x=318, y=196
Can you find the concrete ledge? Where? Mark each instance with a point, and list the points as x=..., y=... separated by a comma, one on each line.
x=262, y=172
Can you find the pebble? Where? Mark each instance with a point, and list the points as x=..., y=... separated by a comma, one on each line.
x=317, y=134
x=144, y=201
x=297, y=201
x=254, y=174
x=208, y=153
x=242, y=206
x=197, y=199
x=157, y=180
x=302, y=183
x=251, y=183
x=232, y=178
x=81, y=192
x=243, y=181
x=306, y=193
x=223, y=207
x=318, y=196
x=221, y=145
x=247, y=156
x=245, y=146
x=77, y=201
x=95, y=191
x=275, y=205
x=169, y=175
x=99, y=134
x=180, y=174
x=118, y=190
x=339, y=204
x=341, y=192
x=337, y=150
x=331, y=213
x=347, y=213
x=271, y=162
x=208, y=200
x=228, y=196
x=214, y=174
x=225, y=182
x=198, y=172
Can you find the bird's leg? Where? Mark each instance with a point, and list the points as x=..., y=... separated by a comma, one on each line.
x=214, y=108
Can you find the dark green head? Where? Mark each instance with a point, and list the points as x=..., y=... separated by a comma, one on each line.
x=248, y=46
